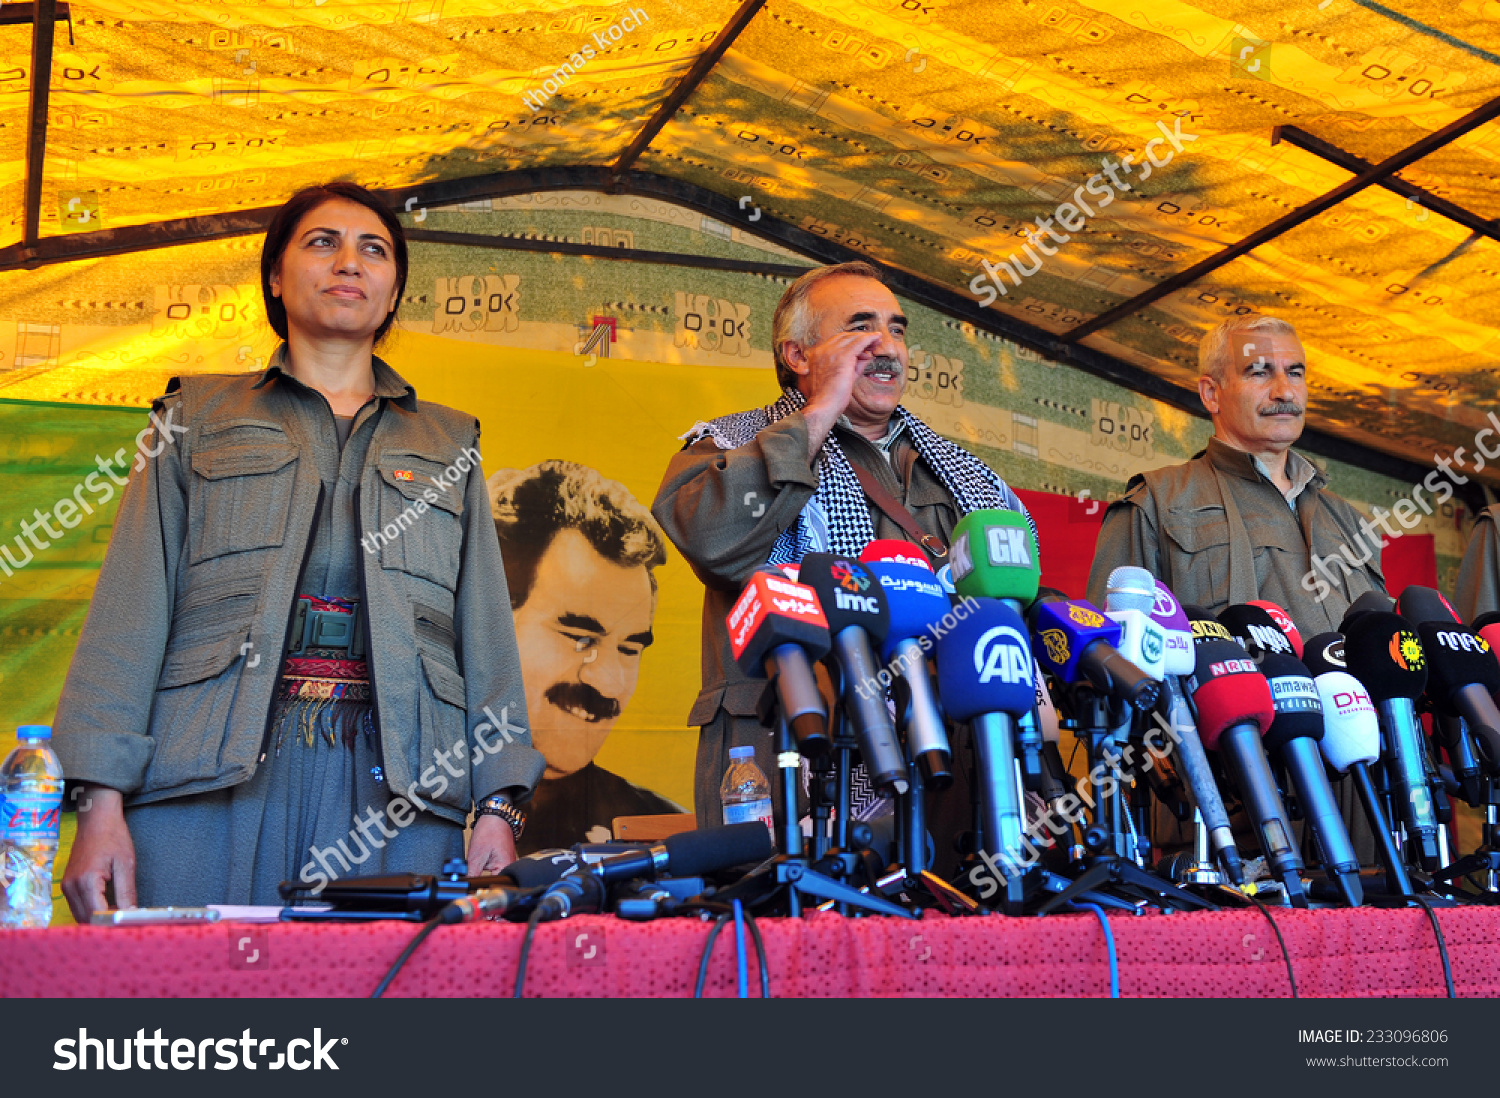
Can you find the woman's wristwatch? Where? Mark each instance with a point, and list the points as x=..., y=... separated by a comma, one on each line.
x=500, y=804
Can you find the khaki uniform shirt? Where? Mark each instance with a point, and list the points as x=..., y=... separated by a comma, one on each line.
x=1217, y=531
x=724, y=509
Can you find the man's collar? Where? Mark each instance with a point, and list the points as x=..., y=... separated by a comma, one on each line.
x=893, y=431
x=1299, y=470
x=388, y=383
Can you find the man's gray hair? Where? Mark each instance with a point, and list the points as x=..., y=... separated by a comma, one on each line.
x=1216, y=351
x=793, y=320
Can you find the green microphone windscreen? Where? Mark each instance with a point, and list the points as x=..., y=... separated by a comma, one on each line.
x=994, y=556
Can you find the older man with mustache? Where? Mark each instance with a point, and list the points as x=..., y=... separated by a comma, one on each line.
x=580, y=555
x=1248, y=517
x=772, y=484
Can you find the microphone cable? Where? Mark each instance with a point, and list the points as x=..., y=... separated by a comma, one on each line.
x=411, y=947
x=728, y=913
x=1437, y=930
x=739, y=950
x=531, y=925
x=1109, y=942
x=1285, y=955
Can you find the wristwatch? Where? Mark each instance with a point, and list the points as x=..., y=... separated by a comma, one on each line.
x=499, y=804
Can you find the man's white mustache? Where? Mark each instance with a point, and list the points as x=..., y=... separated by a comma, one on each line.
x=885, y=363
x=1281, y=409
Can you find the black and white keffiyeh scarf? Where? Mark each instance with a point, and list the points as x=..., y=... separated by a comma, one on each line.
x=837, y=518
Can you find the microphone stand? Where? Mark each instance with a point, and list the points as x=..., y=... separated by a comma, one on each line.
x=1111, y=863
x=802, y=877
x=1487, y=858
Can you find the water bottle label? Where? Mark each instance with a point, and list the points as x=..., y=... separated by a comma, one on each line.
x=755, y=811
x=28, y=817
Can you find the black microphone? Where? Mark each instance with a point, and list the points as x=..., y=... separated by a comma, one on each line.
x=686, y=854
x=858, y=616
x=1324, y=653
x=1450, y=684
x=1293, y=739
x=1256, y=631
x=1376, y=602
x=492, y=903
x=1386, y=656
x=690, y=854
x=1462, y=676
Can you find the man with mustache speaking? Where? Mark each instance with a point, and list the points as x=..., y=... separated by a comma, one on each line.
x=1248, y=517
x=580, y=556
x=772, y=484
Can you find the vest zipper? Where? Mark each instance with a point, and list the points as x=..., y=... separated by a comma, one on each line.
x=378, y=770
x=312, y=532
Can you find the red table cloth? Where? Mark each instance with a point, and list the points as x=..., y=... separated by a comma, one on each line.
x=1365, y=952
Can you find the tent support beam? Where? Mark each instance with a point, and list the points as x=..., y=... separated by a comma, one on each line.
x=189, y=230
x=1375, y=174
x=43, y=24
x=1294, y=135
x=687, y=85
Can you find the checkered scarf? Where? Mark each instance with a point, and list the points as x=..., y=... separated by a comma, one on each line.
x=837, y=518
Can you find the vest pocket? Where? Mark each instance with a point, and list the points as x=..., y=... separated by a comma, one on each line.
x=421, y=530
x=1197, y=549
x=442, y=712
x=240, y=496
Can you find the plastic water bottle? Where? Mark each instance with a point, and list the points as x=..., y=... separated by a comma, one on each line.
x=745, y=793
x=31, y=790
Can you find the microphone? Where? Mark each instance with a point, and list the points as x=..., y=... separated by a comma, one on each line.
x=1350, y=743
x=526, y=879
x=1179, y=661
x=778, y=630
x=994, y=556
x=1418, y=604
x=858, y=616
x=1324, y=653
x=1234, y=707
x=1283, y=622
x=492, y=903
x=917, y=607
x=689, y=854
x=1385, y=655
x=1128, y=598
x=1456, y=734
x=1167, y=612
x=1072, y=638
x=642, y=900
x=1293, y=738
x=903, y=552
x=1370, y=602
x=1462, y=678
x=686, y=854
x=1256, y=631
x=986, y=677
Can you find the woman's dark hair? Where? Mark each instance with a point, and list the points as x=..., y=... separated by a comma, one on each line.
x=279, y=233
